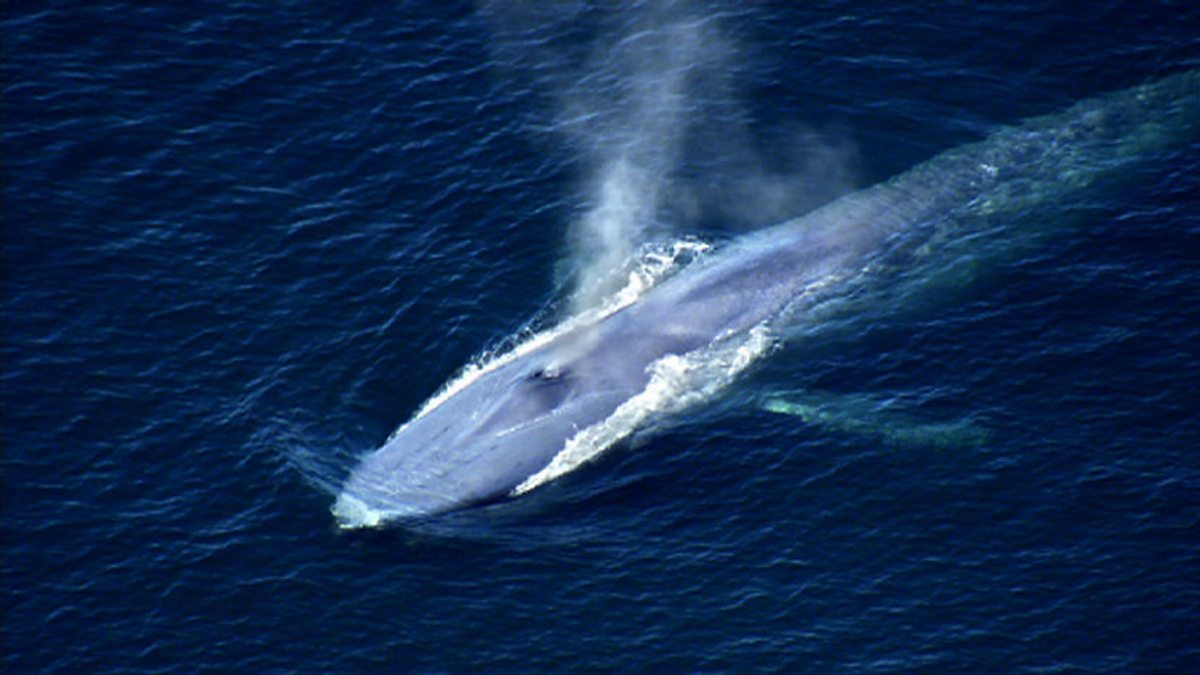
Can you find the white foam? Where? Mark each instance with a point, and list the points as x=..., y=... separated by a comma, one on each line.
x=353, y=513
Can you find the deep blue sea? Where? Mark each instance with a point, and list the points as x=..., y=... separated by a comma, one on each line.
x=243, y=242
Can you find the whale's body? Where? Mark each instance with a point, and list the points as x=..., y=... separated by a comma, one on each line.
x=485, y=439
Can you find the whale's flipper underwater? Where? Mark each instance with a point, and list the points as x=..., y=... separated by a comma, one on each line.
x=525, y=418
x=882, y=419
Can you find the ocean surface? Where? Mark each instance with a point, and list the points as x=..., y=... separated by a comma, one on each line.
x=244, y=242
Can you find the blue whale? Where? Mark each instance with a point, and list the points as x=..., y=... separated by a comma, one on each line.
x=497, y=431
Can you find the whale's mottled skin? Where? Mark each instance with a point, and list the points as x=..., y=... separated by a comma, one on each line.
x=487, y=438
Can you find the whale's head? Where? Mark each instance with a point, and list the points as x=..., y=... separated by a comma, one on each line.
x=476, y=445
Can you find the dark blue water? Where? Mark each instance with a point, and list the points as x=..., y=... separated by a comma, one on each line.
x=242, y=243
